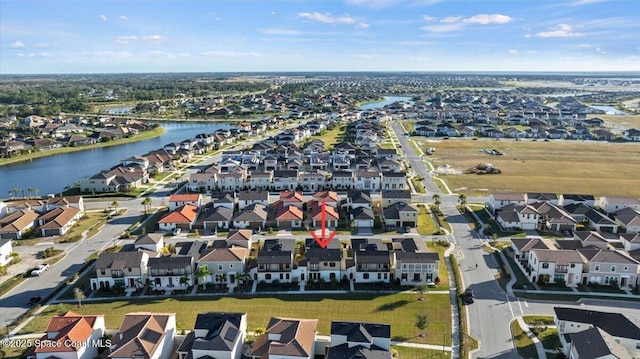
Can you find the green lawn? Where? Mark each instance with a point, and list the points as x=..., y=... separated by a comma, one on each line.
x=88, y=220
x=418, y=353
x=525, y=346
x=545, y=319
x=398, y=310
x=417, y=184
x=425, y=222
x=330, y=137
x=443, y=273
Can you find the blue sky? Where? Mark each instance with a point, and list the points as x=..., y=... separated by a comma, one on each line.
x=87, y=36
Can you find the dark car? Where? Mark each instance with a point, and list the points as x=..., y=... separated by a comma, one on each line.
x=34, y=300
x=467, y=297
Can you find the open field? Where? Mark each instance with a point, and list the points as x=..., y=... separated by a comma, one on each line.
x=557, y=166
x=619, y=123
x=398, y=310
x=417, y=353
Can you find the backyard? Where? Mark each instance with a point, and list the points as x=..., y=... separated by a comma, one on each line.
x=596, y=168
x=398, y=310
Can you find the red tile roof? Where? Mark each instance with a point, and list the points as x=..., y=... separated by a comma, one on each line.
x=316, y=211
x=71, y=327
x=182, y=214
x=187, y=197
x=288, y=213
x=287, y=196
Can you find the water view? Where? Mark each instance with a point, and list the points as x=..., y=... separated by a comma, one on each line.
x=51, y=174
x=610, y=110
x=387, y=101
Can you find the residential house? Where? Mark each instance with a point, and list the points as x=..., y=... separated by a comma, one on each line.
x=330, y=198
x=171, y=272
x=595, y=343
x=224, y=263
x=286, y=338
x=123, y=269
x=17, y=224
x=288, y=216
x=290, y=198
x=342, y=180
x=609, y=267
x=182, y=217
x=391, y=196
x=553, y=218
x=152, y=242
x=215, y=335
x=514, y=217
x=368, y=180
x=601, y=222
x=330, y=214
x=357, y=199
x=499, y=200
x=72, y=201
x=394, y=180
x=400, y=214
x=362, y=217
x=223, y=199
x=275, y=261
x=359, y=340
x=63, y=330
x=573, y=320
x=6, y=249
x=628, y=219
x=285, y=180
x=555, y=266
x=613, y=204
x=58, y=221
x=594, y=239
x=234, y=181
x=325, y=263
x=240, y=238
x=631, y=134
x=214, y=218
x=246, y=198
x=534, y=197
x=371, y=261
x=568, y=199
x=413, y=262
x=261, y=180
x=253, y=216
x=145, y=336
x=313, y=181
x=179, y=200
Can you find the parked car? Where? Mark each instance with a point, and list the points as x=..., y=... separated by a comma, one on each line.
x=468, y=296
x=34, y=300
x=39, y=269
x=177, y=231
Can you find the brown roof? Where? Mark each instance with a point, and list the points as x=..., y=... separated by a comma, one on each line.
x=296, y=338
x=71, y=327
x=141, y=334
x=188, y=197
x=240, y=235
x=287, y=196
x=316, y=211
x=232, y=254
x=327, y=196
x=58, y=217
x=288, y=213
x=560, y=256
x=182, y=214
x=17, y=221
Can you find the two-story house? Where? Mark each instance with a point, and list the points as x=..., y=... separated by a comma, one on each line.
x=400, y=214
x=124, y=269
x=65, y=330
x=371, y=261
x=144, y=336
x=325, y=263
x=412, y=262
x=275, y=261
x=171, y=272
x=286, y=338
x=359, y=340
x=224, y=263
x=555, y=266
x=179, y=200
x=609, y=267
x=246, y=198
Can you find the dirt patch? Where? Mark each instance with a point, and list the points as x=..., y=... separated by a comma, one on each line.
x=28, y=260
x=447, y=170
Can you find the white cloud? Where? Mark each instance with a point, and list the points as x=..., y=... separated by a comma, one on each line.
x=363, y=25
x=486, y=19
x=17, y=45
x=103, y=17
x=586, y=2
x=428, y=18
x=273, y=13
x=326, y=18
x=123, y=17
x=105, y=54
x=151, y=39
x=453, y=23
x=20, y=54
x=276, y=31
x=513, y=52
x=451, y=19
x=381, y=4
x=560, y=30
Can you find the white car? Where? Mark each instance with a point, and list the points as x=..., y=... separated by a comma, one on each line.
x=39, y=269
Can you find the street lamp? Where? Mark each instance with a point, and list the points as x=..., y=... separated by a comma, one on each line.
x=444, y=339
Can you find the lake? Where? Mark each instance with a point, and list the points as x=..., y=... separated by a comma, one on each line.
x=51, y=174
x=610, y=110
x=387, y=101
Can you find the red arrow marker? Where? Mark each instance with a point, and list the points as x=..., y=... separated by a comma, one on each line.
x=323, y=241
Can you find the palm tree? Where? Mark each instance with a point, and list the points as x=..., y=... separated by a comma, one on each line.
x=147, y=204
x=29, y=190
x=436, y=201
x=462, y=199
x=421, y=323
x=22, y=191
x=36, y=191
x=10, y=193
x=203, y=272
x=115, y=205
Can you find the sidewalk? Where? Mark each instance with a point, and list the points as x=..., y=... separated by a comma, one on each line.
x=529, y=333
x=455, y=314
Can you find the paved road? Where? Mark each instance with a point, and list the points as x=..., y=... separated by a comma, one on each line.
x=493, y=310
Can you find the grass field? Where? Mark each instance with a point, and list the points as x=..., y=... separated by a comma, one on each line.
x=417, y=353
x=425, y=222
x=398, y=310
x=524, y=345
x=75, y=233
x=557, y=166
x=617, y=123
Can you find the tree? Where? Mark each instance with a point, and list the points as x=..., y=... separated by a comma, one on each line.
x=115, y=205
x=79, y=295
x=436, y=201
x=203, y=272
x=29, y=190
x=421, y=288
x=147, y=204
x=462, y=199
x=36, y=191
x=421, y=323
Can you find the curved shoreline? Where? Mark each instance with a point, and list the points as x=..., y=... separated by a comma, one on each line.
x=40, y=154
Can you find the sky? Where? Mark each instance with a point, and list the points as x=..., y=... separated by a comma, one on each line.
x=87, y=36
